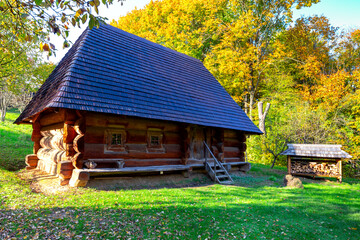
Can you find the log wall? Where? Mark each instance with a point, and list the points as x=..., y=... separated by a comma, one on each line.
x=69, y=139
x=234, y=146
x=136, y=151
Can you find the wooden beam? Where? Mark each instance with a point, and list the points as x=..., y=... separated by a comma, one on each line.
x=289, y=165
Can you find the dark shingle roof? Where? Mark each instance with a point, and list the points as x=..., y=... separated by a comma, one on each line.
x=111, y=71
x=316, y=150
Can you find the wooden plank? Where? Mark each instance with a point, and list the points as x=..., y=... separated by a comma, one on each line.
x=137, y=169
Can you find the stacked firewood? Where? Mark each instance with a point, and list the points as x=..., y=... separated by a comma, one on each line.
x=323, y=168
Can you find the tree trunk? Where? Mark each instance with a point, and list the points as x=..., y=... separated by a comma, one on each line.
x=251, y=104
x=262, y=116
x=246, y=104
x=3, y=108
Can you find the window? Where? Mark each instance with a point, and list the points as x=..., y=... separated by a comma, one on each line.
x=155, y=140
x=115, y=140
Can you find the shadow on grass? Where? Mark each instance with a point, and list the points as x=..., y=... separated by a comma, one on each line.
x=214, y=212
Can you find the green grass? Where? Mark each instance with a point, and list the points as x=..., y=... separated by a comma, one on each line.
x=15, y=142
x=257, y=207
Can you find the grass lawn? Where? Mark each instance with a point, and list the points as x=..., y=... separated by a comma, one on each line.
x=256, y=207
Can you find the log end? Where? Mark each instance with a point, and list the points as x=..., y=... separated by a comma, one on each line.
x=31, y=161
x=79, y=178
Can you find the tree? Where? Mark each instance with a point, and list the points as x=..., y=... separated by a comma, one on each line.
x=190, y=27
x=232, y=37
x=305, y=51
x=39, y=18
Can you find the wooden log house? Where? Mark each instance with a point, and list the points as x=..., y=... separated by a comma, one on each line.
x=315, y=160
x=117, y=103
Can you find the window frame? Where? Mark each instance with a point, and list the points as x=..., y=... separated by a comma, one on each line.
x=115, y=148
x=158, y=148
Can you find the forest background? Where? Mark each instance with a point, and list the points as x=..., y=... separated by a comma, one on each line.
x=305, y=71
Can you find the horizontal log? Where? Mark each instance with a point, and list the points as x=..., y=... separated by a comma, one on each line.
x=65, y=174
x=53, y=127
x=97, y=135
x=47, y=119
x=230, y=134
x=97, y=151
x=153, y=162
x=234, y=159
x=65, y=165
x=51, y=155
x=54, y=142
x=233, y=154
x=232, y=149
x=106, y=120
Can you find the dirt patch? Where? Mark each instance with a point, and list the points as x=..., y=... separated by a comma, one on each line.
x=42, y=182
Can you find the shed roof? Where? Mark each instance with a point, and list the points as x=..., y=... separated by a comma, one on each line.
x=108, y=70
x=316, y=150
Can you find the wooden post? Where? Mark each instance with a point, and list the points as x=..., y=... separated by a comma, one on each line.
x=32, y=159
x=36, y=136
x=185, y=143
x=289, y=164
x=340, y=171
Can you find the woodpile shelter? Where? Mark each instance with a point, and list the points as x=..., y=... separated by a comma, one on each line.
x=321, y=160
x=119, y=104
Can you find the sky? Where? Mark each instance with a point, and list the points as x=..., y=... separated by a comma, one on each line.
x=344, y=14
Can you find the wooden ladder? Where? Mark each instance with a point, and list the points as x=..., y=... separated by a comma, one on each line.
x=216, y=170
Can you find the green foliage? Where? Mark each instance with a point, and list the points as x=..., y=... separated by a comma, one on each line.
x=37, y=19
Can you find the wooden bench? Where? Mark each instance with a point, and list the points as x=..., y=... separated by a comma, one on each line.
x=80, y=177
